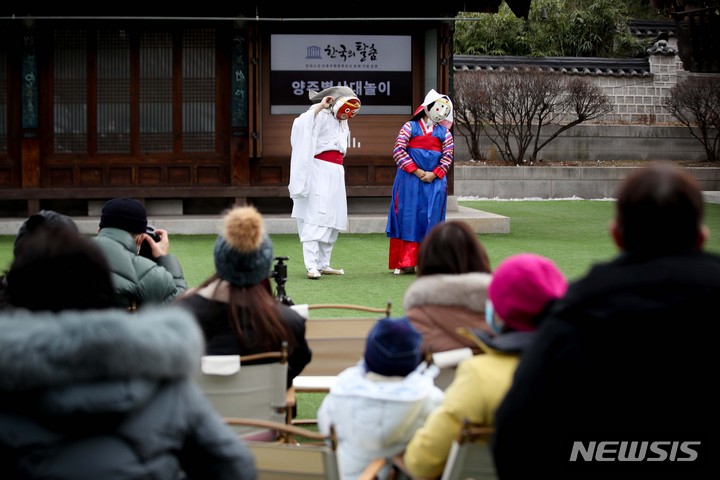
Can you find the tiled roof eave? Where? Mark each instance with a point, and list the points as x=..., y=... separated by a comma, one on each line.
x=652, y=28
x=567, y=65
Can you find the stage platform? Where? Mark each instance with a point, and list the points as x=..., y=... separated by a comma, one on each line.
x=372, y=222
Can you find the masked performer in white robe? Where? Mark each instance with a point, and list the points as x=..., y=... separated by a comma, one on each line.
x=319, y=141
x=423, y=153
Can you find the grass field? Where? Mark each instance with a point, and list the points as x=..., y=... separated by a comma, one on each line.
x=571, y=232
x=574, y=233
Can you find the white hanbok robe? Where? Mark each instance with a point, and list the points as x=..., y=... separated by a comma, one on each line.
x=317, y=187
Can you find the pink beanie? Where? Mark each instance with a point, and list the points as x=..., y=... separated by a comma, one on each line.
x=522, y=286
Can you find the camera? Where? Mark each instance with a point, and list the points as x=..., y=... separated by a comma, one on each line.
x=145, y=249
x=150, y=230
x=279, y=274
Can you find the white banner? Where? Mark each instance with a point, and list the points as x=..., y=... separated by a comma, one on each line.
x=372, y=53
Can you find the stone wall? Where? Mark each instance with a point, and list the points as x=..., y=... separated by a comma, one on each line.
x=595, y=143
x=638, y=100
x=554, y=182
x=638, y=128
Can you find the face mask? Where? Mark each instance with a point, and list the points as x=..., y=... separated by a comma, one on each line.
x=439, y=110
x=345, y=107
x=493, y=322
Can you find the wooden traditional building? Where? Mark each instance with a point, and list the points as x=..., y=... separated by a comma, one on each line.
x=169, y=103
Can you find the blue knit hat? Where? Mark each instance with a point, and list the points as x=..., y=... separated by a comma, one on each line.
x=393, y=348
x=243, y=252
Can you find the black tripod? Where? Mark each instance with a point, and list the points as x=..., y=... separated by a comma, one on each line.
x=279, y=274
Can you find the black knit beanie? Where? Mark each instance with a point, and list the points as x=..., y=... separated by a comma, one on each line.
x=124, y=213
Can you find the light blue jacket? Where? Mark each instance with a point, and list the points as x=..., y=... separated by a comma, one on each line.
x=376, y=416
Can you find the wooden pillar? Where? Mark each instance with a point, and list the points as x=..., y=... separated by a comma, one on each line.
x=30, y=143
x=242, y=103
x=445, y=73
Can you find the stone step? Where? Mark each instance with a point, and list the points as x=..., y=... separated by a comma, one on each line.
x=712, y=197
x=481, y=222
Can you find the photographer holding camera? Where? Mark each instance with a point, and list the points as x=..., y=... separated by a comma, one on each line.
x=138, y=280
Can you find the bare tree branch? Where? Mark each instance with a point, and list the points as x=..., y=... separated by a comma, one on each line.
x=583, y=101
x=512, y=108
x=695, y=102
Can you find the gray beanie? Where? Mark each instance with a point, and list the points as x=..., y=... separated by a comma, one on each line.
x=243, y=251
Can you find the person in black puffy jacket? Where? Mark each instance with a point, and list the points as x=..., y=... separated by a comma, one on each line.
x=618, y=382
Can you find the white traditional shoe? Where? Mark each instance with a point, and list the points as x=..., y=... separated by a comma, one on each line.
x=313, y=274
x=404, y=271
x=332, y=271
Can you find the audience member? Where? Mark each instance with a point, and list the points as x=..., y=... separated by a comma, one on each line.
x=521, y=291
x=139, y=281
x=40, y=220
x=53, y=271
x=616, y=384
x=451, y=288
x=34, y=223
x=377, y=405
x=87, y=392
x=235, y=306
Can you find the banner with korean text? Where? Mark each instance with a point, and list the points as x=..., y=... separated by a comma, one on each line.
x=377, y=67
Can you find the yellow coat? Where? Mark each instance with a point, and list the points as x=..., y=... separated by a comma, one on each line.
x=479, y=386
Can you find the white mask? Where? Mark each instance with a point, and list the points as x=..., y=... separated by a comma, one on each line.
x=438, y=110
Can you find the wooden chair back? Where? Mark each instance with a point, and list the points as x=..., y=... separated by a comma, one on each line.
x=470, y=457
x=447, y=361
x=339, y=342
x=257, y=391
x=310, y=457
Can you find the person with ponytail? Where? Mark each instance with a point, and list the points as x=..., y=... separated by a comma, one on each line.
x=235, y=306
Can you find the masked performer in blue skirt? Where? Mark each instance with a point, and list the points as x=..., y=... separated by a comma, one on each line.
x=423, y=154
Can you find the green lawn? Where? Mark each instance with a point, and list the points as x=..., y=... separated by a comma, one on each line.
x=571, y=232
x=574, y=233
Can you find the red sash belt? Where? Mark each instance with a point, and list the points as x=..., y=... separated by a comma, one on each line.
x=332, y=156
x=426, y=142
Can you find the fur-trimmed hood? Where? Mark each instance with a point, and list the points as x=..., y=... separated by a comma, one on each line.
x=43, y=349
x=467, y=290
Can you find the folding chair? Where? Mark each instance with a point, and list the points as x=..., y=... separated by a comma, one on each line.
x=337, y=342
x=256, y=391
x=314, y=459
x=448, y=361
x=470, y=457
x=308, y=456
